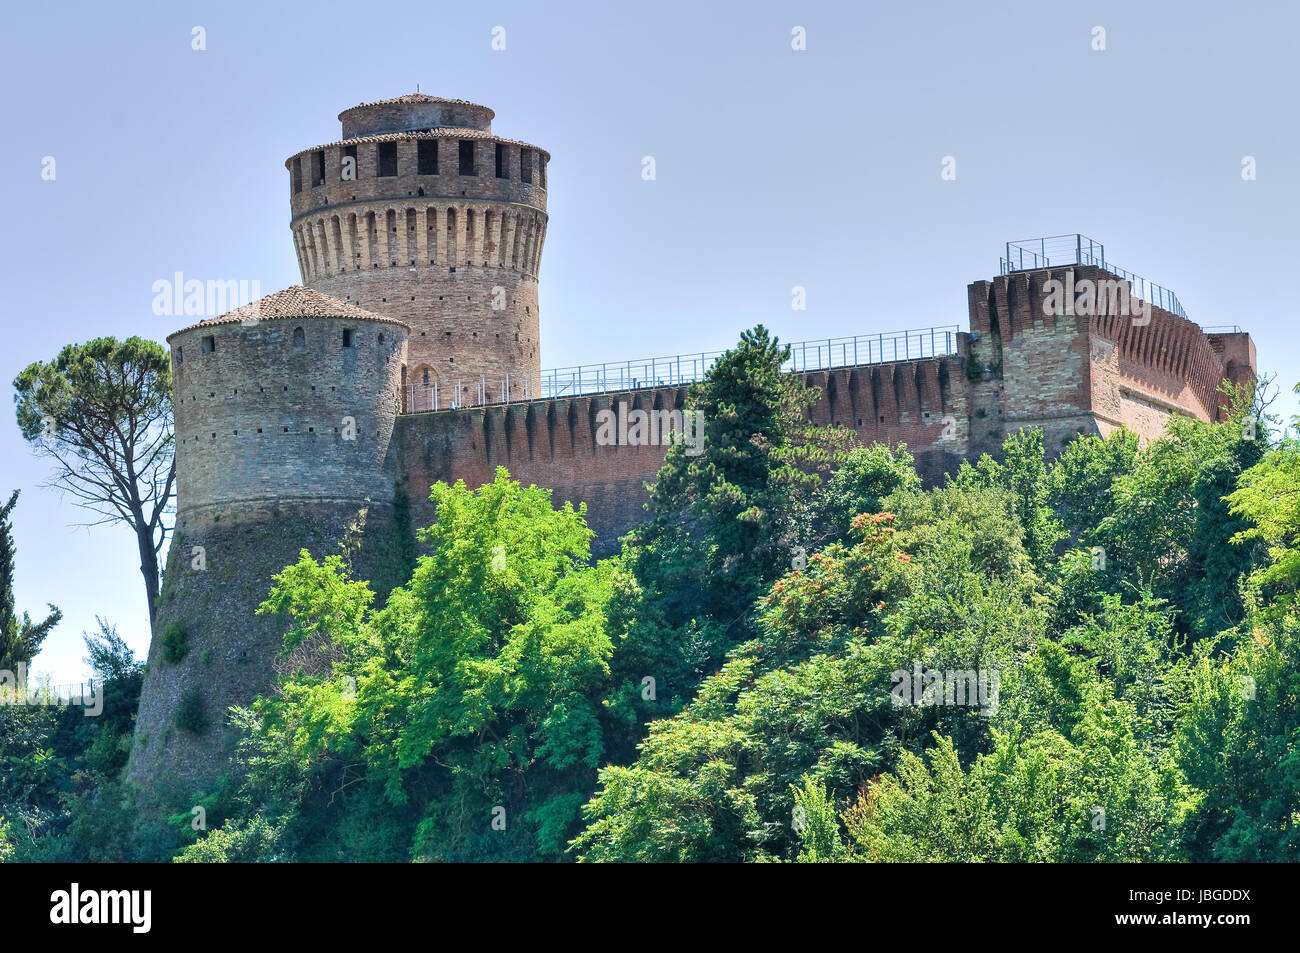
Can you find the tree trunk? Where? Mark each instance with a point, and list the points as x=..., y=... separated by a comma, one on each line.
x=148, y=567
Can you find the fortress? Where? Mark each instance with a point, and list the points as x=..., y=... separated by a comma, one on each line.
x=320, y=417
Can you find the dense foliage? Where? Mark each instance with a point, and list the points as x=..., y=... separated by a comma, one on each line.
x=801, y=655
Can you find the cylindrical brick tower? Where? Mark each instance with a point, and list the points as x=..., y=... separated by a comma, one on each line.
x=284, y=417
x=419, y=212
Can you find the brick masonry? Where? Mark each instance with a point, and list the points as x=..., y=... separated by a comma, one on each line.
x=451, y=249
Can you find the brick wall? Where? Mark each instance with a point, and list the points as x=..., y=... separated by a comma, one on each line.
x=456, y=257
x=553, y=443
x=1092, y=373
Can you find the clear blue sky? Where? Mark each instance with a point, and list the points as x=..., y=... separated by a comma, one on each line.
x=775, y=168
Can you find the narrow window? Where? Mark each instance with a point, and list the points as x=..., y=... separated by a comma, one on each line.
x=297, y=174
x=209, y=344
x=467, y=157
x=347, y=337
x=526, y=165
x=427, y=156
x=318, y=168
x=299, y=339
x=501, y=161
x=541, y=170
x=388, y=158
x=349, y=152
x=180, y=355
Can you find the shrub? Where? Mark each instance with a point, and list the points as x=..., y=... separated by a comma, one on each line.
x=253, y=842
x=176, y=642
x=190, y=713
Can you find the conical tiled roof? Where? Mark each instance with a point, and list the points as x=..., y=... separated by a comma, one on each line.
x=296, y=301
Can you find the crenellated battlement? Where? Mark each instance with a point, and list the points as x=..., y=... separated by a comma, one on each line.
x=1069, y=362
x=446, y=163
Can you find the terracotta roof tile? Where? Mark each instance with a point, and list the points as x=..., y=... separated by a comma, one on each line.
x=295, y=301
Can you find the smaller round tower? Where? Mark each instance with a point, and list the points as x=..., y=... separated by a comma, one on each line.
x=293, y=399
x=284, y=418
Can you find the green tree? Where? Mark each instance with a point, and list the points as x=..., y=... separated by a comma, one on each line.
x=859, y=485
x=1023, y=475
x=20, y=639
x=1238, y=741
x=727, y=522
x=1092, y=796
x=808, y=700
x=1267, y=500
x=1079, y=485
x=1170, y=527
x=473, y=695
x=102, y=412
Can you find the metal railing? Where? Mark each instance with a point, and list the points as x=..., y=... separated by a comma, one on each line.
x=46, y=693
x=1059, y=250
x=680, y=369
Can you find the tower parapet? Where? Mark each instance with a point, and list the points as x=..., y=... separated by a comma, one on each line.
x=422, y=213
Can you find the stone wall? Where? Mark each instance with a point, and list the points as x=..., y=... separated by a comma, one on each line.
x=232, y=652
x=284, y=409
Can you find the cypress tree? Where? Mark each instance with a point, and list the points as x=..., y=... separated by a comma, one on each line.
x=20, y=639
